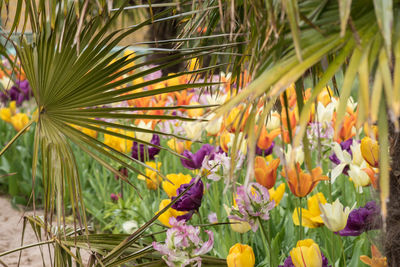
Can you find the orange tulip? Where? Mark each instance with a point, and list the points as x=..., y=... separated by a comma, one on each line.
x=291, y=96
x=377, y=259
x=292, y=118
x=325, y=96
x=265, y=139
x=183, y=98
x=346, y=132
x=266, y=174
x=301, y=183
x=224, y=140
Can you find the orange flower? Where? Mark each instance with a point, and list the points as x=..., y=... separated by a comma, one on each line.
x=301, y=183
x=224, y=140
x=236, y=120
x=372, y=175
x=292, y=118
x=291, y=96
x=183, y=98
x=265, y=139
x=266, y=174
x=377, y=259
x=325, y=96
x=346, y=132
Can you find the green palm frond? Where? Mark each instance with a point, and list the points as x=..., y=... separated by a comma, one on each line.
x=77, y=75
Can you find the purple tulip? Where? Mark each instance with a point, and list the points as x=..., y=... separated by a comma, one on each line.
x=195, y=160
x=362, y=219
x=19, y=92
x=345, y=145
x=265, y=152
x=191, y=200
x=146, y=152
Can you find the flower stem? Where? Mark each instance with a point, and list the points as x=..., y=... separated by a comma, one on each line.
x=299, y=212
x=266, y=241
x=342, y=248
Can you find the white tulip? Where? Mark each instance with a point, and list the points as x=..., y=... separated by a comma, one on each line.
x=359, y=177
x=334, y=215
x=142, y=135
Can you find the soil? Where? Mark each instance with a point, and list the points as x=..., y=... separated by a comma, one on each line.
x=11, y=222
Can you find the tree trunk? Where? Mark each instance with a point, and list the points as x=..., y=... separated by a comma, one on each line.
x=392, y=240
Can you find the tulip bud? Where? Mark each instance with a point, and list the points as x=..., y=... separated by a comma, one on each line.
x=240, y=256
x=266, y=174
x=306, y=253
x=370, y=151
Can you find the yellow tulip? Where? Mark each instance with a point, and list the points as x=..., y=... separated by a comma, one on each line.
x=13, y=107
x=240, y=256
x=176, y=181
x=155, y=179
x=310, y=217
x=120, y=144
x=164, y=218
x=277, y=194
x=5, y=114
x=370, y=151
x=178, y=146
x=306, y=254
x=197, y=112
x=19, y=121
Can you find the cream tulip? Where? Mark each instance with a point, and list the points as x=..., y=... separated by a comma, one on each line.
x=334, y=215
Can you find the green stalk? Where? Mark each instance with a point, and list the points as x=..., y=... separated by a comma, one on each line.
x=342, y=248
x=266, y=241
x=299, y=212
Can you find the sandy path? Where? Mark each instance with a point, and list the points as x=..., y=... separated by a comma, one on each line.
x=10, y=237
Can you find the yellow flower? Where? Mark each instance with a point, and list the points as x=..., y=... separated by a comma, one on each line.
x=5, y=114
x=13, y=107
x=155, y=179
x=19, y=121
x=310, y=217
x=194, y=64
x=240, y=256
x=277, y=194
x=179, y=146
x=176, y=181
x=334, y=215
x=131, y=54
x=164, y=218
x=197, y=112
x=120, y=144
x=306, y=254
x=370, y=151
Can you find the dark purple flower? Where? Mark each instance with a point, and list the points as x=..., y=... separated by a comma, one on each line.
x=20, y=92
x=114, y=197
x=289, y=263
x=265, y=152
x=191, y=200
x=146, y=152
x=123, y=171
x=362, y=219
x=346, y=146
x=195, y=160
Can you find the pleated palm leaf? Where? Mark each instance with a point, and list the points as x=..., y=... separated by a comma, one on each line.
x=289, y=41
x=74, y=68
